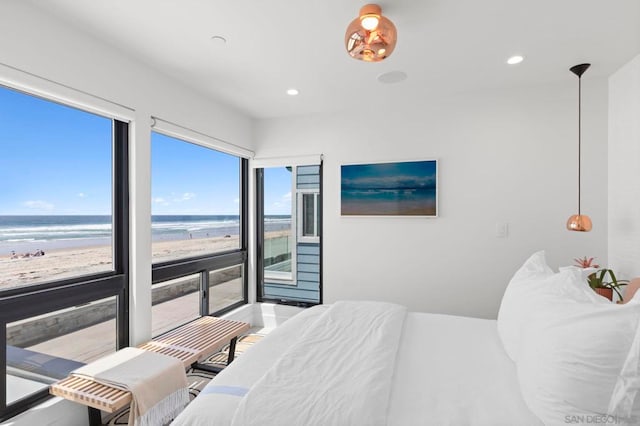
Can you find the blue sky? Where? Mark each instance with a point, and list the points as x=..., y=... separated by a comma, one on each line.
x=56, y=160
x=277, y=191
x=190, y=179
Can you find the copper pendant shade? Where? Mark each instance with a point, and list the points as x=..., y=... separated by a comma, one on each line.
x=579, y=222
x=370, y=37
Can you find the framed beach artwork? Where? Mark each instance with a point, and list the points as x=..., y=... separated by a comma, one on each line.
x=407, y=188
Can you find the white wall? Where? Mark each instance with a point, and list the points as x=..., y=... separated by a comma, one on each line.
x=624, y=169
x=506, y=156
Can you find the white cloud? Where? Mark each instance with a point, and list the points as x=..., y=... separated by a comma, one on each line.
x=184, y=197
x=39, y=205
x=236, y=200
x=284, y=204
x=81, y=194
x=160, y=200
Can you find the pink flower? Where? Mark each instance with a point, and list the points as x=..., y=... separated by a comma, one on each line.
x=584, y=262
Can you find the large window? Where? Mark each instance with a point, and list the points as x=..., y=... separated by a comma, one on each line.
x=198, y=231
x=196, y=199
x=56, y=194
x=63, y=243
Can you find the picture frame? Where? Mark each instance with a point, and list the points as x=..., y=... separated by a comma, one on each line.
x=399, y=188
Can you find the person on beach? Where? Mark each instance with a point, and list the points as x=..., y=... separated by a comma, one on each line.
x=13, y=254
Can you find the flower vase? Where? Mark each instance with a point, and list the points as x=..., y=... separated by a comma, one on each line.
x=605, y=292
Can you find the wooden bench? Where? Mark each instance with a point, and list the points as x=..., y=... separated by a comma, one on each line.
x=190, y=343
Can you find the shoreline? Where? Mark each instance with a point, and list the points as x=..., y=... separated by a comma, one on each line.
x=60, y=263
x=29, y=233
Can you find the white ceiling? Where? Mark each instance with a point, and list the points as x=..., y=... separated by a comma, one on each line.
x=444, y=46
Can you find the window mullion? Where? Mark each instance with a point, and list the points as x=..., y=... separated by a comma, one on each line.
x=315, y=214
x=3, y=372
x=260, y=234
x=204, y=293
x=121, y=226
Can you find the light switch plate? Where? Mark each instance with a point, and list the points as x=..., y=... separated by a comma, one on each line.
x=502, y=230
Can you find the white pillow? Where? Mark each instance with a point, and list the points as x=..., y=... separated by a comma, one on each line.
x=577, y=286
x=533, y=287
x=515, y=306
x=574, y=356
x=625, y=401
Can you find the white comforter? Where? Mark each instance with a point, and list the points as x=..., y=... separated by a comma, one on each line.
x=449, y=371
x=333, y=374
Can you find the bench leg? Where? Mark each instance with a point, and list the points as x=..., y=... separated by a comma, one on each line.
x=232, y=350
x=213, y=369
x=95, y=418
x=207, y=367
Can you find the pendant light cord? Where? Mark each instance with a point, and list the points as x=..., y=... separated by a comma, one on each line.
x=579, y=136
x=578, y=222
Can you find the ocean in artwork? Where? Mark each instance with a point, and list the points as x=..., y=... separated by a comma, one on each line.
x=389, y=189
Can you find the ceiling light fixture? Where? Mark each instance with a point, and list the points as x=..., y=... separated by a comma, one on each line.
x=392, y=77
x=292, y=92
x=218, y=40
x=515, y=60
x=370, y=37
x=579, y=222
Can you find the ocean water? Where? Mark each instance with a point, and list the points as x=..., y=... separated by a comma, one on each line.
x=29, y=233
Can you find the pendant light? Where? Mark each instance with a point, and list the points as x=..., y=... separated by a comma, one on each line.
x=579, y=222
x=370, y=37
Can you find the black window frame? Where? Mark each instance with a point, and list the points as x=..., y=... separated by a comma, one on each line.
x=204, y=264
x=27, y=301
x=259, y=239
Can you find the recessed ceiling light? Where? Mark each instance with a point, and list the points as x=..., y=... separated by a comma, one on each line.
x=218, y=40
x=292, y=92
x=515, y=60
x=392, y=77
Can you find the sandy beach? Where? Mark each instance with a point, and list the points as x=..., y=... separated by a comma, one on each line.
x=65, y=263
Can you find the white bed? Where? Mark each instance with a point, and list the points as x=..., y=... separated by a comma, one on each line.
x=447, y=370
x=558, y=354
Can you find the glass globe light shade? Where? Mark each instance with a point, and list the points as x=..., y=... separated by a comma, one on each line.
x=370, y=37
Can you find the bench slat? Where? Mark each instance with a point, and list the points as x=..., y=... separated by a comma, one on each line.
x=93, y=394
